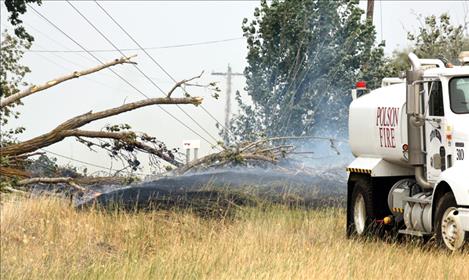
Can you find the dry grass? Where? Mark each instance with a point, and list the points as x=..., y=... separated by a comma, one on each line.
x=47, y=239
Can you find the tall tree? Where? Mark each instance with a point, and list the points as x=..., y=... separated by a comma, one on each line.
x=12, y=72
x=436, y=37
x=303, y=58
x=12, y=78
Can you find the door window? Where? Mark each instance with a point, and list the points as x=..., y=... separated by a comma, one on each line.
x=435, y=101
x=459, y=95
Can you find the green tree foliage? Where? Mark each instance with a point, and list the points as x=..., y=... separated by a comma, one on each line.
x=16, y=8
x=303, y=59
x=12, y=78
x=436, y=38
x=12, y=72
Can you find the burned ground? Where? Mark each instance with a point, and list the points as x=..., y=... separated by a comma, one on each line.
x=225, y=187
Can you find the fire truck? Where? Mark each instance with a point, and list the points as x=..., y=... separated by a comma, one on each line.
x=410, y=139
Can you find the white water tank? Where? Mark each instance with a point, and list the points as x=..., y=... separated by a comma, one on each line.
x=378, y=124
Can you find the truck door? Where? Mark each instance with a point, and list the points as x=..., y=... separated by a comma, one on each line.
x=435, y=139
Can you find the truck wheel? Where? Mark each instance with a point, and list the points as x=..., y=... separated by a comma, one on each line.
x=449, y=231
x=361, y=209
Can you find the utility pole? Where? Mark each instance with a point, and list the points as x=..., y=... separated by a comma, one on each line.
x=369, y=10
x=229, y=73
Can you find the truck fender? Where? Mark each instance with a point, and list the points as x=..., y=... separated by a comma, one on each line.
x=453, y=179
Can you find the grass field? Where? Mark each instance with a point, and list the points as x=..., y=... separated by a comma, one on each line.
x=48, y=239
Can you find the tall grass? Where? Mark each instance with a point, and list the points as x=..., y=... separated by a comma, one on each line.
x=48, y=239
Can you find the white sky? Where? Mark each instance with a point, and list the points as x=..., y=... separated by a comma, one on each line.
x=155, y=24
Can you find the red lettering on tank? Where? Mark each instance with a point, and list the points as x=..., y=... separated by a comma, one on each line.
x=396, y=117
x=381, y=137
x=387, y=119
x=378, y=116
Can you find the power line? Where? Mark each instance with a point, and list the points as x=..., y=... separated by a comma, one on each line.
x=381, y=18
x=42, y=50
x=78, y=44
x=122, y=78
x=88, y=163
x=69, y=69
x=57, y=54
x=109, y=41
x=138, y=68
x=154, y=61
x=147, y=48
x=49, y=37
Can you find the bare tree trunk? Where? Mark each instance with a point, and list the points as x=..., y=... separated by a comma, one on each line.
x=57, y=134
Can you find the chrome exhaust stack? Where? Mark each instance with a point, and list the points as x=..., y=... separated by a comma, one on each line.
x=416, y=120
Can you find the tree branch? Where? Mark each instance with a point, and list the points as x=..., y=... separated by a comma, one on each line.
x=98, y=134
x=180, y=83
x=37, y=88
x=12, y=190
x=127, y=137
x=14, y=172
x=112, y=180
x=57, y=135
x=259, y=151
x=67, y=180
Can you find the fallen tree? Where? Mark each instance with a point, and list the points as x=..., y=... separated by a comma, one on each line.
x=69, y=127
x=118, y=140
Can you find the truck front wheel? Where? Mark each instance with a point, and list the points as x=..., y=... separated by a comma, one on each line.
x=361, y=209
x=449, y=231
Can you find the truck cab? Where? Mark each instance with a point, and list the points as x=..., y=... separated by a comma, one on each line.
x=411, y=139
x=446, y=121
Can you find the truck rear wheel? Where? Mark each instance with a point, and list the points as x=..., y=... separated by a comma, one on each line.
x=360, y=208
x=449, y=231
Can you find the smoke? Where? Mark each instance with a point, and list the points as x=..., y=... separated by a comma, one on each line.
x=313, y=176
x=323, y=152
